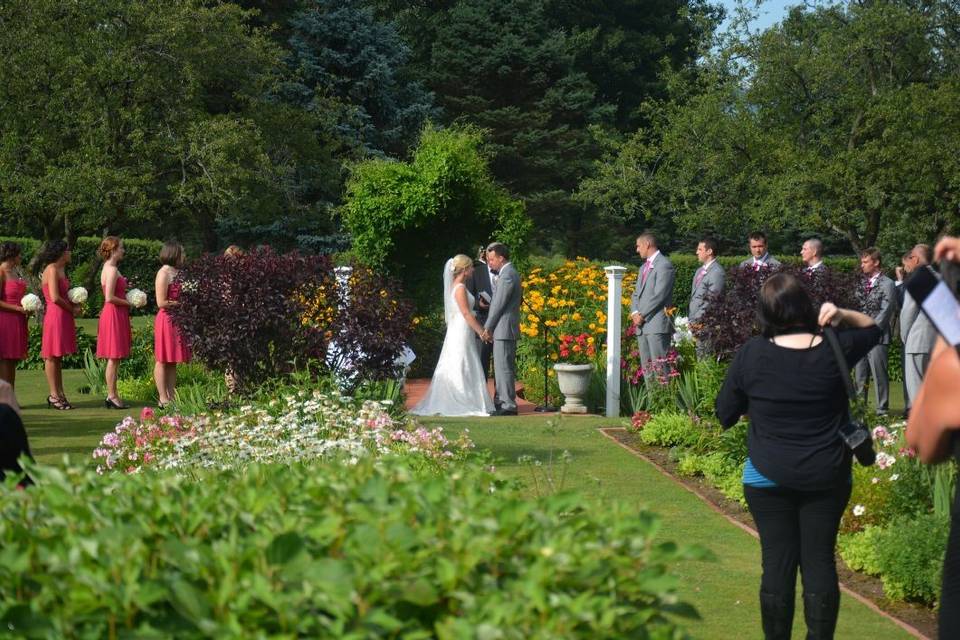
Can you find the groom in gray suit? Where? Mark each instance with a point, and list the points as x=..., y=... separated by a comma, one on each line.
x=880, y=302
x=707, y=281
x=503, y=327
x=650, y=298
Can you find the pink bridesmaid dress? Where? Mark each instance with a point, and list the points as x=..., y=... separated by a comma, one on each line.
x=113, y=329
x=168, y=346
x=59, y=329
x=13, y=325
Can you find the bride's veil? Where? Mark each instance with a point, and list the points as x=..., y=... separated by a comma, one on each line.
x=449, y=308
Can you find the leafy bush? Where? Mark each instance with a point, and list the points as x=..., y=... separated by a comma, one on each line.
x=731, y=319
x=907, y=553
x=409, y=217
x=671, y=430
x=328, y=550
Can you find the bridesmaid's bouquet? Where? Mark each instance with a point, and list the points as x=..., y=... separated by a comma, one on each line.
x=30, y=303
x=136, y=298
x=77, y=295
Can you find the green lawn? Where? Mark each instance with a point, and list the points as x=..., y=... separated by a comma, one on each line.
x=89, y=325
x=725, y=591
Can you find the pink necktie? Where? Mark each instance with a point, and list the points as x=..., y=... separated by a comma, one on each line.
x=700, y=274
x=756, y=265
x=646, y=270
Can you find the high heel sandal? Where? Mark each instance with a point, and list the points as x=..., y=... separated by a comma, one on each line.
x=110, y=404
x=60, y=404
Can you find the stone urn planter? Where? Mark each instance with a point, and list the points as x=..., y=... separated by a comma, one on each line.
x=574, y=381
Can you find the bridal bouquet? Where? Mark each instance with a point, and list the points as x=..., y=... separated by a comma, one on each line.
x=30, y=303
x=77, y=295
x=137, y=298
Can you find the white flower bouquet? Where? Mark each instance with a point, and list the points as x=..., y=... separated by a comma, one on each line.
x=77, y=295
x=30, y=302
x=681, y=331
x=137, y=298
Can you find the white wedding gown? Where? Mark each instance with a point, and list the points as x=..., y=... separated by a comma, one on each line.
x=458, y=387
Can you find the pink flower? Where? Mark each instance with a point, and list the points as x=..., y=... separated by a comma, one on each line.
x=146, y=414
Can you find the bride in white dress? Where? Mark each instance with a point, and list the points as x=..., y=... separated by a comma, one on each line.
x=459, y=386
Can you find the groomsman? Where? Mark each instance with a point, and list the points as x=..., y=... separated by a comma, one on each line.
x=480, y=285
x=708, y=280
x=916, y=331
x=812, y=255
x=650, y=298
x=880, y=302
x=760, y=259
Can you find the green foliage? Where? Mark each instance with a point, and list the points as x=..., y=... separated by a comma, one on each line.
x=907, y=554
x=410, y=217
x=94, y=371
x=671, y=430
x=123, y=115
x=328, y=550
x=779, y=130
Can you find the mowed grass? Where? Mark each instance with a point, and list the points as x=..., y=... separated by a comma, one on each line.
x=724, y=591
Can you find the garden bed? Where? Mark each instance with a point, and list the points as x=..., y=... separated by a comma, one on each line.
x=918, y=620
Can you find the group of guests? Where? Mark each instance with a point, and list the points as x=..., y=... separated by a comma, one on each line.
x=885, y=299
x=59, y=335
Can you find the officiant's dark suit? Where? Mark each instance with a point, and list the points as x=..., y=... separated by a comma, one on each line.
x=480, y=282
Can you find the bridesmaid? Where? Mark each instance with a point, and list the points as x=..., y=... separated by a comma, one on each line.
x=59, y=328
x=113, y=330
x=169, y=346
x=13, y=317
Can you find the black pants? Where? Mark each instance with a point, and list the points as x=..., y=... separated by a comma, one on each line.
x=798, y=529
x=950, y=596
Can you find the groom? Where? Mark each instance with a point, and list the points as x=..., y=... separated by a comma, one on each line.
x=503, y=327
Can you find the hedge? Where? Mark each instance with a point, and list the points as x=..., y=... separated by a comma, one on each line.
x=139, y=266
x=329, y=549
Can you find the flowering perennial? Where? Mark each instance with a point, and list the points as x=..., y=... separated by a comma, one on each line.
x=302, y=426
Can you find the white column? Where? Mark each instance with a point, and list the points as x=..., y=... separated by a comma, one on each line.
x=614, y=325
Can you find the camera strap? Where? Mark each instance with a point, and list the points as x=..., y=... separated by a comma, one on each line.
x=831, y=337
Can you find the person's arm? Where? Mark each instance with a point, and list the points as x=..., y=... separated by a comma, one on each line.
x=732, y=402
x=935, y=414
x=833, y=315
x=947, y=249
x=635, y=299
x=53, y=289
x=460, y=295
x=160, y=289
x=110, y=277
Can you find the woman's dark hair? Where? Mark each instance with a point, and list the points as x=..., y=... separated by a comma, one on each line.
x=9, y=251
x=785, y=306
x=49, y=253
x=172, y=254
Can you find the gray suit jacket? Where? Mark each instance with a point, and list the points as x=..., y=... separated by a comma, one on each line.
x=768, y=261
x=652, y=296
x=710, y=284
x=881, y=302
x=916, y=331
x=503, y=319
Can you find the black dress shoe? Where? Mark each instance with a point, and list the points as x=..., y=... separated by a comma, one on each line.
x=505, y=412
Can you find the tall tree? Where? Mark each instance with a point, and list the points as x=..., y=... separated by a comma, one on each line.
x=841, y=119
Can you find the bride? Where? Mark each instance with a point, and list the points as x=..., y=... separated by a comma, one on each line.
x=458, y=387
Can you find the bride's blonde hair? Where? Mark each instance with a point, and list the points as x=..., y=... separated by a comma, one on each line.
x=460, y=263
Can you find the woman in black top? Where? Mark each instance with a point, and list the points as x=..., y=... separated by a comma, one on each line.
x=797, y=477
x=13, y=437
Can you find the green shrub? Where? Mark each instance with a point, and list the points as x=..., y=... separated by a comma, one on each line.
x=907, y=553
x=327, y=550
x=671, y=430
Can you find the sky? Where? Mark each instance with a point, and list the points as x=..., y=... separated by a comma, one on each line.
x=771, y=11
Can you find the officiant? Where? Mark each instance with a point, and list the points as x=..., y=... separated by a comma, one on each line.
x=481, y=286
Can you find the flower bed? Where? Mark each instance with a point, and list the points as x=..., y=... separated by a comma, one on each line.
x=295, y=427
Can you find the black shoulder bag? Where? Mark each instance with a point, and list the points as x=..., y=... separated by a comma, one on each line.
x=852, y=431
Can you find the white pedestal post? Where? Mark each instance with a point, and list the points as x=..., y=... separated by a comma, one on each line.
x=614, y=326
